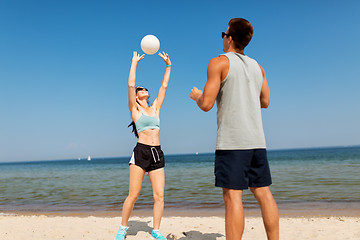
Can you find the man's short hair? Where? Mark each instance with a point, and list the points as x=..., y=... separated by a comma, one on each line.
x=241, y=32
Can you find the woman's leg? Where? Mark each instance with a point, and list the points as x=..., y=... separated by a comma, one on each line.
x=136, y=176
x=157, y=179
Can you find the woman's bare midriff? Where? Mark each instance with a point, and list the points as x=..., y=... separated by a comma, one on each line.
x=150, y=137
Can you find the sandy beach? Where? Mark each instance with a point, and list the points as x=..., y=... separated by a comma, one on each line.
x=20, y=227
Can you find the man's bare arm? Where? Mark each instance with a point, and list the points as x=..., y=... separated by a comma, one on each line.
x=215, y=74
x=265, y=92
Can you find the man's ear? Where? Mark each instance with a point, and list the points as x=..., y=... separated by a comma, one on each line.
x=230, y=40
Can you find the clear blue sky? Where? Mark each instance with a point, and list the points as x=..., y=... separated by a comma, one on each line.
x=64, y=69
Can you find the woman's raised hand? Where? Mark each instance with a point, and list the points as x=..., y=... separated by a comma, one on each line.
x=136, y=57
x=165, y=57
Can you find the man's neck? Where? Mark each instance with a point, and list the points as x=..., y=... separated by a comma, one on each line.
x=236, y=50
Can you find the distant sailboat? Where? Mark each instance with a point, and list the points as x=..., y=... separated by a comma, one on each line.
x=89, y=158
x=79, y=159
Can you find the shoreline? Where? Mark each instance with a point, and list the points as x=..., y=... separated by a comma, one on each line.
x=294, y=210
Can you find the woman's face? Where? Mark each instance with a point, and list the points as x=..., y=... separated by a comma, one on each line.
x=142, y=93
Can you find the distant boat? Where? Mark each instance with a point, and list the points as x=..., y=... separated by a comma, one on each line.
x=89, y=158
x=79, y=159
x=197, y=153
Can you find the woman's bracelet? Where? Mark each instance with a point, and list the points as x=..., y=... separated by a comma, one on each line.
x=168, y=65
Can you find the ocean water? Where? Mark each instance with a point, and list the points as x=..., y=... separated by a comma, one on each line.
x=302, y=176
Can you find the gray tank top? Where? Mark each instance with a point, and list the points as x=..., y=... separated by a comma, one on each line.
x=238, y=106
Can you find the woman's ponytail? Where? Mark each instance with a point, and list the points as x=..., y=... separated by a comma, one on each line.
x=134, y=129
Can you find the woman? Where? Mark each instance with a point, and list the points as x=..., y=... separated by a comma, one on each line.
x=147, y=155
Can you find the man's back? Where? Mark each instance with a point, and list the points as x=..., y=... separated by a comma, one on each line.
x=238, y=105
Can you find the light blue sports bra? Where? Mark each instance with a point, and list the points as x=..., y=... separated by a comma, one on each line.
x=146, y=122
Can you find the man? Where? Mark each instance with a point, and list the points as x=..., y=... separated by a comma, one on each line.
x=239, y=86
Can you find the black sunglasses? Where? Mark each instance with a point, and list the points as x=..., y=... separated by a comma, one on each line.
x=141, y=89
x=223, y=34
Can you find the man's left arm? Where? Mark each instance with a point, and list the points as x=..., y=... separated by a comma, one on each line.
x=206, y=100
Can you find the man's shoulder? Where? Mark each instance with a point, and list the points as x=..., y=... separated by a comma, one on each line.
x=219, y=61
x=220, y=58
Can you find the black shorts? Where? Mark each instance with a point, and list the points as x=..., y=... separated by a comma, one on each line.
x=148, y=157
x=241, y=169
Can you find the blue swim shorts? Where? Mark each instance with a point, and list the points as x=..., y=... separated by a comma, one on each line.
x=241, y=169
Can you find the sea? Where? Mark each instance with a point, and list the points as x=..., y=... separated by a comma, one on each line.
x=323, y=181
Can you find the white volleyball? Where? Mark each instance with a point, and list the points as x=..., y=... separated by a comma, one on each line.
x=150, y=44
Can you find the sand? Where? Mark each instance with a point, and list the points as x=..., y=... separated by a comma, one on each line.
x=20, y=227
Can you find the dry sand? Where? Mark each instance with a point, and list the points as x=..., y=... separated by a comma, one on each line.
x=201, y=228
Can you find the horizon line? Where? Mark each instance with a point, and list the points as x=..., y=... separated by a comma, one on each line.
x=179, y=154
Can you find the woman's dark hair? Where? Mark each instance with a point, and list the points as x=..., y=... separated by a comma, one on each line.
x=241, y=32
x=134, y=129
x=133, y=123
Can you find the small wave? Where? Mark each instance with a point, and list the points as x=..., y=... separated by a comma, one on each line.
x=7, y=214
